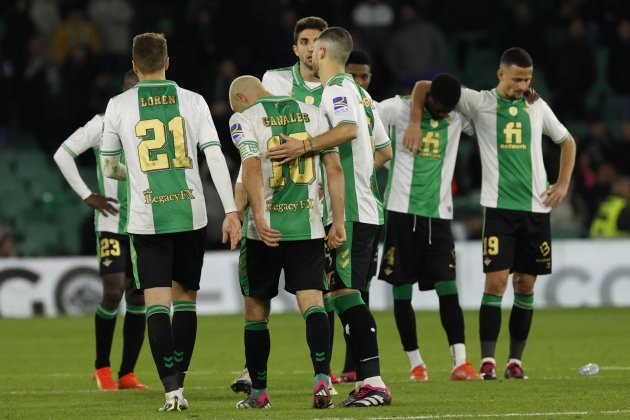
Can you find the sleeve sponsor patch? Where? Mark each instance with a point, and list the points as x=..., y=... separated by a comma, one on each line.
x=340, y=104
x=236, y=132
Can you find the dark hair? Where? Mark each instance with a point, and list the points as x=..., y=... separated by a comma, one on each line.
x=343, y=41
x=516, y=56
x=129, y=80
x=311, y=22
x=149, y=52
x=359, y=57
x=446, y=90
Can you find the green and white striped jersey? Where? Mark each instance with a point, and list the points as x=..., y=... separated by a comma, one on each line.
x=290, y=190
x=421, y=184
x=160, y=125
x=89, y=137
x=510, y=142
x=345, y=102
x=288, y=81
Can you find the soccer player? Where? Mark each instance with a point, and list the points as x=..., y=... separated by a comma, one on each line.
x=110, y=218
x=160, y=125
x=419, y=245
x=284, y=227
x=351, y=112
x=515, y=194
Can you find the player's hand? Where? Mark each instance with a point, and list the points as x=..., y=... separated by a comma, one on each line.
x=270, y=237
x=336, y=235
x=290, y=150
x=531, y=95
x=231, y=230
x=412, y=139
x=102, y=204
x=320, y=192
x=554, y=195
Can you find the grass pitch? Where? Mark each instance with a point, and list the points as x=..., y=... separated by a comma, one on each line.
x=47, y=366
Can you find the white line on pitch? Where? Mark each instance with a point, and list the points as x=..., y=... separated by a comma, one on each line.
x=499, y=415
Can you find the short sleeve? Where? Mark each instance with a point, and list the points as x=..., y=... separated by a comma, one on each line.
x=243, y=137
x=339, y=106
x=381, y=139
x=87, y=137
x=552, y=127
x=111, y=144
x=206, y=131
x=277, y=83
x=469, y=102
x=467, y=125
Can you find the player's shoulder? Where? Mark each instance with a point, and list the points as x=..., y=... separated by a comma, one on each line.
x=126, y=96
x=184, y=94
x=284, y=73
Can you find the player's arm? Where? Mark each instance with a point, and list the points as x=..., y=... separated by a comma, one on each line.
x=223, y=184
x=240, y=196
x=112, y=167
x=556, y=192
x=382, y=156
x=412, y=139
x=253, y=183
x=294, y=148
x=68, y=167
x=336, y=188
x=111, y=147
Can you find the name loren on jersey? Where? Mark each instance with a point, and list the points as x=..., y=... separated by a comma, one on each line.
x=291, y=118
x=158, y=100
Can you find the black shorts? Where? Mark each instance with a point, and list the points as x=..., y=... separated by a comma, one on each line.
x=112, y=250
x=160, y=259
x=516, y=240
x=353, y=259
x=417, y=249
x=302, y=262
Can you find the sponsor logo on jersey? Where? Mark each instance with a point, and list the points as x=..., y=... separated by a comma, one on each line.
x=181, y=195
x=236, y=131
x=282, y=207
x=340, y=104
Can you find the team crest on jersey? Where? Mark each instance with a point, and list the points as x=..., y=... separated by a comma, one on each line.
x=340, y=104
x=77, y=135
x=236, y=131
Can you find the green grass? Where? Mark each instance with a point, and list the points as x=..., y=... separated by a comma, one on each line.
x=47, y=365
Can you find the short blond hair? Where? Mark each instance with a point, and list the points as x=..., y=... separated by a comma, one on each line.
x=149, y=52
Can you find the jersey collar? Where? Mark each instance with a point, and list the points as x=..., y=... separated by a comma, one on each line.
x=299, y=80
x=156, y=83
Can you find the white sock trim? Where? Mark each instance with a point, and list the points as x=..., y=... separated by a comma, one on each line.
x=414, y=358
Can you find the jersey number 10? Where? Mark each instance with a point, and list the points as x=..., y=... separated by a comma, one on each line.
x=301, y=170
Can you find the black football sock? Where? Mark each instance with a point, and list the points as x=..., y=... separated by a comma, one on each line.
x=451, y=313
x=405, y=316
x=330, y=312
x=257, y=347
x=318, y=338
x=184, y=335
x=520, y=324
x=133, y=337
x=161, y=341
x=104, y=324
x=489, y=324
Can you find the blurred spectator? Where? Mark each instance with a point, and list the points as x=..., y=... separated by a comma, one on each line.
x=522, y=29
x=373, y=20
x=7, y=244
x=622, y=150
x=604, y=178
x=78, y=74
x=571, y=69
x=418, y=49
x=45, y=14
x=75, y=32
x=217, y=96
x=598, y=141
x=113, y=22
x=618, y=65
x=612, y=219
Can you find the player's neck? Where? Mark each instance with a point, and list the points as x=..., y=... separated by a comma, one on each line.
x=327, y=72
x=158, y=75
x=503, y=93
x=307, y=74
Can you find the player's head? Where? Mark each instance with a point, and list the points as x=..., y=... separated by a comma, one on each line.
x=359, y=66
x=443, y=95
x=150, y=54
x=333, y=45
x=129, y=80
x=305, y=33
x=244, y=91
x=515, y=72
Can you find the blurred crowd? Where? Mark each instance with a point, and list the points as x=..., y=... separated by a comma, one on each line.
x=61, y=60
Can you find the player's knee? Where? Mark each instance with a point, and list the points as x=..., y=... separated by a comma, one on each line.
x=133, y=299
x=496, y=283
x=523, y=283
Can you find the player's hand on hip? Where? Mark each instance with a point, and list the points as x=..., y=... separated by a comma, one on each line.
x=270, y=237
x=336, y=235
x=412, y=139
x=554, y=195
x=102, y=204
x=232, y=230
x=290, y=150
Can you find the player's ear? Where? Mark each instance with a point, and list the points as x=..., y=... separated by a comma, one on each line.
x=134, y=67
x=295, y=50
x=167, y=63
x=242, y=98
x=500, y=73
